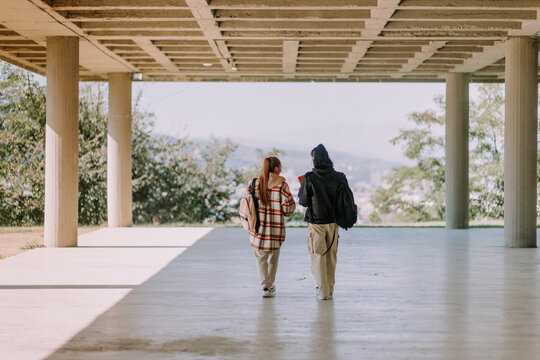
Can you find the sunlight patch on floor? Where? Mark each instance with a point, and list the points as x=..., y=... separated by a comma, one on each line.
x=66, y=289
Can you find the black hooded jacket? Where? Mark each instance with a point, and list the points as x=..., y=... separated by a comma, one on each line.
x=318, y=193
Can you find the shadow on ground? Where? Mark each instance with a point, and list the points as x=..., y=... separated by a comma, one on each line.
x=400, y=294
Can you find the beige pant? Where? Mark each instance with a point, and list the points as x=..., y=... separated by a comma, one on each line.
x=267, y=262
x=323, y=267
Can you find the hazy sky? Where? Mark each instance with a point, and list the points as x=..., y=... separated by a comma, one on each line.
x=358, y=118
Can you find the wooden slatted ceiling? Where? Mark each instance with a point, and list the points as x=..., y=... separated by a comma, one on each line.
x=286, y=40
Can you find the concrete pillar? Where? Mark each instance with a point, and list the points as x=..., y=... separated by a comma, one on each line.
x=457, y=151
x=119, y=151
x=520, y=143
x=61, y=142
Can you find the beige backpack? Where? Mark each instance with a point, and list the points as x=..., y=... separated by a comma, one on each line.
x=249, y=210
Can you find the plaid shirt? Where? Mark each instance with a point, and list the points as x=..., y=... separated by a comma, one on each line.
x=272, y=230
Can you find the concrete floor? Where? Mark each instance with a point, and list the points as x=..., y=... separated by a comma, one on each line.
x=400, y=294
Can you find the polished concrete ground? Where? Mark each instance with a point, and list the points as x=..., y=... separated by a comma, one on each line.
x=400, y=294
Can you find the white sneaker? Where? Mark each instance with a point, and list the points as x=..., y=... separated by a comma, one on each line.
x=272, y=288
x=329, y=297
x=267, y=293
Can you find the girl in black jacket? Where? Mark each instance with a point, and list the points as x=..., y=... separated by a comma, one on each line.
x=318, y=192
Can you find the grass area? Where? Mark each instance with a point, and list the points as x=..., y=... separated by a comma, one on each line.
x=491, y=226
x=301, y=224
x=20, y=229
x=37, y=229
x=217, y=225
x=292, y=224
x=32, y=245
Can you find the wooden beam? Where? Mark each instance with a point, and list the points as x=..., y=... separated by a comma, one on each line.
x=114, y=4
x=453, y=25
x=46, y=22
x=379, y=17
x=358, y=51
x=469, y=4
x=205, y=18
x=290, y=56
x=483, y=59
x=291, y=25
x=22, y=63
x=63, y=5
x=461, y=15
x=420, y=57
x=293, y=4
x=287, y=36
x=496, y=52
x=290, y=40
x=298, y=15
x=147, y=46
x=139, y=25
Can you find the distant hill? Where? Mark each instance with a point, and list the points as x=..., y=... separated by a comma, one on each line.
x=298, y=162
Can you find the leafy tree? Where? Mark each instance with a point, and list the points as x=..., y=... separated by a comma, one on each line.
x=180, y=181
x=92, y=153
x=486, y=154
x=22, y=147
x=255, y=170
x=416, y=193
x=174, y=180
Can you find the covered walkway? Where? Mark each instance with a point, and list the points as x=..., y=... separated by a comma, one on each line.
x=118, y=41
x=192, y=293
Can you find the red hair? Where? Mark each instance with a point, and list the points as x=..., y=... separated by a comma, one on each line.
x=269, y=165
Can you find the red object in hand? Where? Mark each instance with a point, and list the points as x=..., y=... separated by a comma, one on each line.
x=300, y=178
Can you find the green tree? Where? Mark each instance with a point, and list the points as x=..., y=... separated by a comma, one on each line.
x=416, y=193
x=174, y=180
x=486, y=154
x=179, y=181
x=255, y=170
x=22, y=147
x=92, y=153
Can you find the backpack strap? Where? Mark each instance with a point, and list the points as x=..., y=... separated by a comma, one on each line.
x=256, y=204
x=332, y=243
x=252, y=192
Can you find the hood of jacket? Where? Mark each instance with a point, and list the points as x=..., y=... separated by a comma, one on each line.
x=274, y=180
x=325, y=174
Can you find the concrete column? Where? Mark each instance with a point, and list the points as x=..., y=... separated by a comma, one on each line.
x=61, y=142
x=520, y=143
x=119, y=151
x=457, y=151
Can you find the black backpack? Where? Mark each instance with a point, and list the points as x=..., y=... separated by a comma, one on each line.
x=346, y=209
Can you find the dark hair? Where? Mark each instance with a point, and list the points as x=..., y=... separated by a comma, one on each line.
x=321, y=160
x=269, y=164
